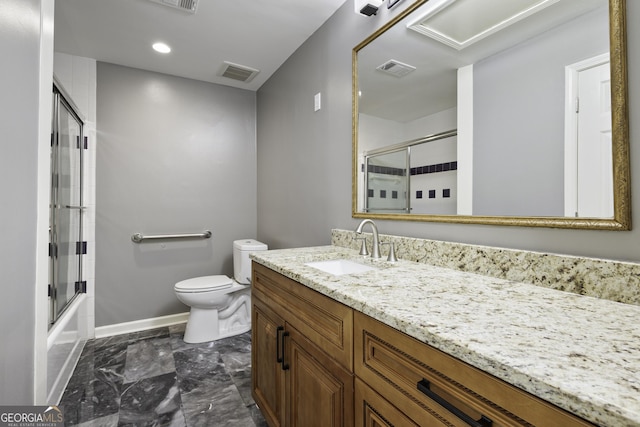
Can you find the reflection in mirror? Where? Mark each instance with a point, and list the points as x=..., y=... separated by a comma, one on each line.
x=387, y=181
x=538, y=101
x=391, y=173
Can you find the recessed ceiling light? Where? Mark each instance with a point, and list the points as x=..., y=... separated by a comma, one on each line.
x=161, y=47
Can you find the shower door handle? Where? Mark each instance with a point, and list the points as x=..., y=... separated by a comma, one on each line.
x=75, y=207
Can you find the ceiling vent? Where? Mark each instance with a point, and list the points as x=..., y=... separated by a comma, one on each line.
x=396, y=68
x=184, y=5
x=238, y=72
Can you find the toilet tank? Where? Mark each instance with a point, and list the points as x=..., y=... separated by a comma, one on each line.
x=241, y=261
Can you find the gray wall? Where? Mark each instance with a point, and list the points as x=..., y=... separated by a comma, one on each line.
x=173, y=156
x=300, y=203
x=304, y=157
x=518, y=133
x=19, y=74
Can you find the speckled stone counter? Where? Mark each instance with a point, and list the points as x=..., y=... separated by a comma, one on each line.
x=601, y=278
x=578, y=352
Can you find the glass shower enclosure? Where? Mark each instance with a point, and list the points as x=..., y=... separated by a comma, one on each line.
x=66, y=246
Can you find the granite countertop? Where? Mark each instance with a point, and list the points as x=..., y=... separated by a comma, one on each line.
x=579, y=353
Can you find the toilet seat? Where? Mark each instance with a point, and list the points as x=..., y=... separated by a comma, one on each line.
x=204, y=284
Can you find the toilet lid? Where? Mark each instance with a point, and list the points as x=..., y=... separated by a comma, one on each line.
x=204, y=283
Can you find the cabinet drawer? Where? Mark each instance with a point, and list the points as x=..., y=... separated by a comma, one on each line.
x=372, y=410
x=323, y=321
x=393, y=364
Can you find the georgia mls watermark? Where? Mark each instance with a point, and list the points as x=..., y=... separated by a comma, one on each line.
x=31, y=416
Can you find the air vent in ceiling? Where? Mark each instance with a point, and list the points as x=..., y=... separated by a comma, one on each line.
x=396, y=68
x=184, y=5
x=238, y=72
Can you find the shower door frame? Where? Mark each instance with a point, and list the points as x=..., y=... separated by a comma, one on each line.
x=75, y=251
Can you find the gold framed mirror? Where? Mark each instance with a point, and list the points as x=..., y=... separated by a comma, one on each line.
x=440, y=144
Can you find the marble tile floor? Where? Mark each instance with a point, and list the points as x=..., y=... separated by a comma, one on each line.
x=154, y=378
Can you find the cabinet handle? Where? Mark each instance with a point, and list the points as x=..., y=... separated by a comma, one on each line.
x=278, y=330
x=285, y=366
x=424, y=387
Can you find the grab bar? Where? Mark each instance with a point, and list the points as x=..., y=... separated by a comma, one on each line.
x=139, y=237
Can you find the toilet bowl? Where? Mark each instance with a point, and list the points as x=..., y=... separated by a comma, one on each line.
x=220, y=306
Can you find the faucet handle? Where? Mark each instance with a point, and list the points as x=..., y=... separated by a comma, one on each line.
x=392, y=251
x=363, y=249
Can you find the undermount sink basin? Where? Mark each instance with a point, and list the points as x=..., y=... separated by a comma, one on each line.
x=339, y=267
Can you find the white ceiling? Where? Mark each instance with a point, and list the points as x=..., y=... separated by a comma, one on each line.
x=259, y=34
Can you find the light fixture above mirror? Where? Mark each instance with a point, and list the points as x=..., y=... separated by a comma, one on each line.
x=441, y=19
x=510, y=161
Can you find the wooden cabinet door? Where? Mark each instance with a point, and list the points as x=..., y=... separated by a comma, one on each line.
x=266, y=371
x=320, y=392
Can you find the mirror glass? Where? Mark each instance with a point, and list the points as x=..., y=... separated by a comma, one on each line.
x=496, y=112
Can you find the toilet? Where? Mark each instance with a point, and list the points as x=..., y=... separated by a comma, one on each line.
x=220, y=306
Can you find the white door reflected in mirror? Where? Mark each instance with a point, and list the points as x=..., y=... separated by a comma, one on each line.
x=588, y=149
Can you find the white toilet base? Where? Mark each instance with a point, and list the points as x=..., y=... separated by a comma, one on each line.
x=210, y=324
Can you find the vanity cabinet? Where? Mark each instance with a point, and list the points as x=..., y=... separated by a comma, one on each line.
x=302, y=354
x=319, y=363
x=404, y=382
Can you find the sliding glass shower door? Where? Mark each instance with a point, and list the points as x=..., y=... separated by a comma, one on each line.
x=65, y=219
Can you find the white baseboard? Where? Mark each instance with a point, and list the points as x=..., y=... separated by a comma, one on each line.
x=141, y=325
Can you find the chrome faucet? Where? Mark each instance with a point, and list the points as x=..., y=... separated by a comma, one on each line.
x=375, y=250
